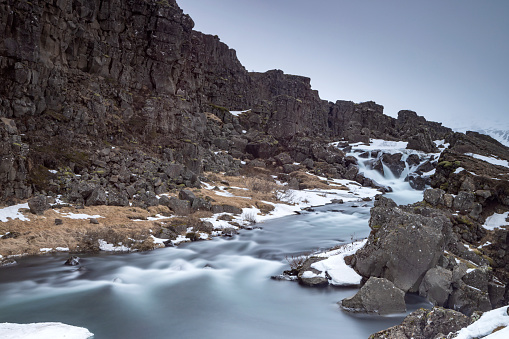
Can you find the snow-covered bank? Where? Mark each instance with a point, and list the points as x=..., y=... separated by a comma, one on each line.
x=293, y=201
x=43, y=331
x=497, y=319
x=339, y=272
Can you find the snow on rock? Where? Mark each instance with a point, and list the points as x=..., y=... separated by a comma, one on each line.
x=180, y=239
x=491, y=160
x=341, y=274
x=484, y=327
x=237, y=113
x=158, y=240
x=496, y=220
x=380, y=144
x=43, y=331
x=442, y=142
x=105, y=246
x=12, y=212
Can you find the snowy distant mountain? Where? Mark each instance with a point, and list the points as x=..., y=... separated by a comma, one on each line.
x=496, y=129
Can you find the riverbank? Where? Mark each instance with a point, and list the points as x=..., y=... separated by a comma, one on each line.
x=243, y=201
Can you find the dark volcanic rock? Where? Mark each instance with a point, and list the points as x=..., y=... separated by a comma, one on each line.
x=426, y=324
x=168, y=94
x=378, y=296
x=38, y=204
x=97, y=197
x=436, y=286
x=419, y=238
x=394, y=163
x=72, y=261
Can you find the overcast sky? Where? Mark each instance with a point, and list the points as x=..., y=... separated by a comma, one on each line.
x=447, y=60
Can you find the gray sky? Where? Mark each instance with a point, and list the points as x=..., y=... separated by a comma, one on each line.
x=445, y=59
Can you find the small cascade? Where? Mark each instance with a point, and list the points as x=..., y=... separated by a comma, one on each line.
x=389, y=164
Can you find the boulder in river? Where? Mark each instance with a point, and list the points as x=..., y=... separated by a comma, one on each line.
x=378, y=296
x=404, y=243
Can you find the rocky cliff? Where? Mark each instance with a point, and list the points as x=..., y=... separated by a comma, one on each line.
x=80, y=77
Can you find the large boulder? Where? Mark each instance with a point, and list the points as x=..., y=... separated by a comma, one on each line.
x=434, y=196
x=187, y=195
x=422, y=142
x=378, y=296
x=97, y=197
x=179, y=207
x=467, y=299
x=38, y=204
x=436, y=286
x=426, y=324
x=405, y=242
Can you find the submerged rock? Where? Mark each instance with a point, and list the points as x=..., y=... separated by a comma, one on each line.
x=72, y=261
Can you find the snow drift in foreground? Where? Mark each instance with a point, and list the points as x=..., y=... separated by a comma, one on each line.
x=43, y=331
x=489, y=321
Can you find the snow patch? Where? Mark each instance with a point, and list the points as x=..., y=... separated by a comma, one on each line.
x=71, y=215
x=491, y=160
x=43, y=331
x=341, y=274
x=12, y=212
x=237, y=113
x=105, y=246
x=496, y=220
x=484, y=327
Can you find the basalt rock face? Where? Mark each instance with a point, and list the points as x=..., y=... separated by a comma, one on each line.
x=79, y=76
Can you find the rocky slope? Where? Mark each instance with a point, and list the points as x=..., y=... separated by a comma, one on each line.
x=115, y=102
x=82, y=76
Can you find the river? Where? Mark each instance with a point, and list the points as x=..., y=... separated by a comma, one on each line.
x=209, y=289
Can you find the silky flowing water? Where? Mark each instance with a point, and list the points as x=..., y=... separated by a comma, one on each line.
x=209, y=289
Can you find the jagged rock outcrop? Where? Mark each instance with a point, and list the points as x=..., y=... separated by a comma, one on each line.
x=81, y=75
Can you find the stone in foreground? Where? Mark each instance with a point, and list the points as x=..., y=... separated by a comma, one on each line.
x=426, y=324
x=379, y=296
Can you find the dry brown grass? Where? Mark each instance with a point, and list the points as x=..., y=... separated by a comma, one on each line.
x=118, y=225
x=308, y=181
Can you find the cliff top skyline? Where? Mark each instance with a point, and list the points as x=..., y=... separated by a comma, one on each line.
x=446, y=61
